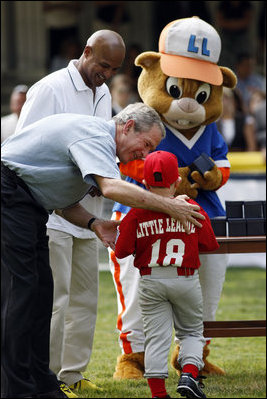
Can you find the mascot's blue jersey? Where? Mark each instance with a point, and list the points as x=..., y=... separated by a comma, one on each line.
x=207, y=139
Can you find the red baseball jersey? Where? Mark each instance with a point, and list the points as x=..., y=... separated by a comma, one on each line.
x=156, y=239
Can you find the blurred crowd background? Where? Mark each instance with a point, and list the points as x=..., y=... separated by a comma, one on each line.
x=42, y=36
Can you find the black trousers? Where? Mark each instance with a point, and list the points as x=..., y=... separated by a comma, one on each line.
x=27, y=292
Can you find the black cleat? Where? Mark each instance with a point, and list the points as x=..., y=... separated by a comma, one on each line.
x=190, y=387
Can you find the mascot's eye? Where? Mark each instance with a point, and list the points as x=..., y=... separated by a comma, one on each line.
x=203, y=93
x=172, y=87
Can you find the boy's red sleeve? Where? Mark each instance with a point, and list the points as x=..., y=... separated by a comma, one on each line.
x=133, y=169
x=126, y=237
x=206, y=238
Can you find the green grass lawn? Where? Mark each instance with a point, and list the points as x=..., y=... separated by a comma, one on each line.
x=244, y=359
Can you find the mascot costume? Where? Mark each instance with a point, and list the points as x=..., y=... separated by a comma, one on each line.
x=184, y=84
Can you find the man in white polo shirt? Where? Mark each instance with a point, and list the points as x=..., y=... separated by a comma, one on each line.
x=80, y=88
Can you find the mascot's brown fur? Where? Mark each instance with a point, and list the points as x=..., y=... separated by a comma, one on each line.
x=130, y=366
x=185, y=105
x=208, y=369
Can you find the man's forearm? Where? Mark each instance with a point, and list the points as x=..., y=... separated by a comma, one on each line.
x=76, y=214
x=132, y=195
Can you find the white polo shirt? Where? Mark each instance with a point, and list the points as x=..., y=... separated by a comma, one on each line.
x=64, y=91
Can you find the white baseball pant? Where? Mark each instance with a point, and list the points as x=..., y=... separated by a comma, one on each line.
x=166, y=301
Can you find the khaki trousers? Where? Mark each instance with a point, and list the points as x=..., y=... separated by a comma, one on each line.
x=74, y=264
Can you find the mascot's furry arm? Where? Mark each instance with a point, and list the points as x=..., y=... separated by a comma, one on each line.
x=212, y=180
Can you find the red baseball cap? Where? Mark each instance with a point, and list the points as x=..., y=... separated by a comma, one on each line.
x=161, y=169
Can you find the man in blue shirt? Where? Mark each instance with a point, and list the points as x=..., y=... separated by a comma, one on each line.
x=50, y=166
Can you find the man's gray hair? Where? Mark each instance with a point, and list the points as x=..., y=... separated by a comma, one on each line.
x=144, y=117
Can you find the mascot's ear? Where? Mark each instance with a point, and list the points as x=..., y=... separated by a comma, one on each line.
x=147, y=59
x=229, y=78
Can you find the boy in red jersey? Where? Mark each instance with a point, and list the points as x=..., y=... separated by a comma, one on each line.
x=169, y=288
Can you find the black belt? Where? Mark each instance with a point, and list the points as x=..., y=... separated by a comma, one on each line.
x=10, y=173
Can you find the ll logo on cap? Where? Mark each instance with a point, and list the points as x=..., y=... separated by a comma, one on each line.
x=192, y=48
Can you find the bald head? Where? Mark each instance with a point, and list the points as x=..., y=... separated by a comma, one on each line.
x=106, y=37
x=102, y=57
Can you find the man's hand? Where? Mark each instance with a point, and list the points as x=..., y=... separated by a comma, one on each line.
x=187, y=212
x=136, y=197
x=106, y=231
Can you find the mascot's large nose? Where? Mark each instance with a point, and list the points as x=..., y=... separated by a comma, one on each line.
x=188, y=105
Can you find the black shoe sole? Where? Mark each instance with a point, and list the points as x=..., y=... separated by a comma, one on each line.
x=187, y=393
